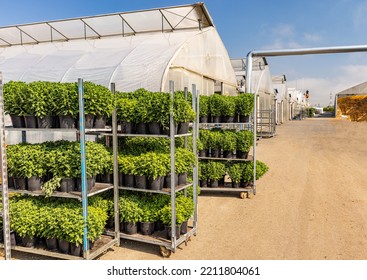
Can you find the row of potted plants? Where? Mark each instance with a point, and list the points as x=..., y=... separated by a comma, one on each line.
x=217, y=108
x=56, y=222
x=153, y=170
x=54, y=165
x=233, y=144
x=42, y=104
x=241, y=174
x=145, y=112
x=147, y=214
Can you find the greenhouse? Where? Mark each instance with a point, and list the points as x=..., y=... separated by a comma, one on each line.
x=143, y=49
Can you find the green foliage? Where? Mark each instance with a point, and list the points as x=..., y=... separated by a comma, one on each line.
x=15, y=96
x=203, y=105
x=229, y=140
x=42, y=97
x=130, y=210
x=66, y=99
x=235, y=172
x=203, y=170
x=245, y=104
x=204, y=136
x=215, y=105
x=328, y=109
x=311, y=112
x=245, y=139
x=215, y=170
x=24, y=217
x=228, y=105
x=185, y=205
x=125, y=109
x=98, y=100
x=50, y=186
x=182, y=111
x=215, y=139
x=166, y=215
x=152, y=165
x=184, y=160
x=26, y=160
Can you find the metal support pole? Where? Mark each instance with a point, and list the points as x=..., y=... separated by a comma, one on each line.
x=186, y=91
x=83, y=166
x=173, y=179
x=249, y=90
x=115, y=170
x=195, y=135
x=4, y=177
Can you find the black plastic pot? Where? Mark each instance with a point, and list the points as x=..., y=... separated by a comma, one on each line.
x=34, y=183
x=204, y=153
x=10, y=182
x=90, y=184
x=154, y=128
x=244, y=119
x=227, y=154
x=30, y=121
x=51, y=244
x=89, y=121
x=235, y=185
x=141, y=181
x=131, y=228
x=67, y=122
x=215, y=153
x=183, y=128
x=216, y=119
x=64, y=246
x=147, y=228
x=169, y=232
x=228, y=119
x=155, y=184
x=28, y=241
x=46, y=122
x=167, y=180
x=203, y=119
x=121, y=181
x=107, y=178
x=20, y=183
x=129, y=180
x=244, y=184
x=158, y=225
x=75, y=250
x=141, y=128
x=242, y=155
x=214, y=183
x=127, y=127
x=100, y=122
x=17, y=121
x=67, y=185
x=183, y=228
x=182, y=178
x=203, y=183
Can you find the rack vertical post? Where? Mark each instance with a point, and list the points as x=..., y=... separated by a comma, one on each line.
x=4, y=177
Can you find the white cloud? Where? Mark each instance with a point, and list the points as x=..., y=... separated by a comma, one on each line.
x=312, y=37
x=283, y=30
x=320, y=88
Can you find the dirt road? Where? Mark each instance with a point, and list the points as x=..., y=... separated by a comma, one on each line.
x=312, y=204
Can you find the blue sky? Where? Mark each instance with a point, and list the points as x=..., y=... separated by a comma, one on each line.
x=251, y=25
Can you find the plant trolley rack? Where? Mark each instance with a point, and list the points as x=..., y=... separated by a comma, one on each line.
x=105, y=241
x=167, y=246
x=251, y=187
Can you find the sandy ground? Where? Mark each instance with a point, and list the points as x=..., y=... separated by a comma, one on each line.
x=312, y=204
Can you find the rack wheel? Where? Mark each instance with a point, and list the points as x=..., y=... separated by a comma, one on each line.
x=166, y=253
x=243, y=195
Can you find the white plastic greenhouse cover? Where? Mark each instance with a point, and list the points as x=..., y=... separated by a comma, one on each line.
x=134, y=50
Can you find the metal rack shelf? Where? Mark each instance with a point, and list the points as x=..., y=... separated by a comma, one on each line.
x=163, y=191
x=249, y=158
x=98, y=188
x=237, y=126
x=146, y=135
x=101, y=245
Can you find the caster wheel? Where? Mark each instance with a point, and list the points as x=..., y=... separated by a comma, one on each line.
x=243, y=195
x=164, y=252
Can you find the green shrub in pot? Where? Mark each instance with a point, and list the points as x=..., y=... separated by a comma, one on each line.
x=229, y=140
x=166, y=215
x=244, y=141
x=235, y=171
x=215, y=139
x=187, y=205
x=182, y=111
x=228, y=105
x=66, y=95
x=43, y=97
x=245, y=104
x=215, y=105
x=216, y=170
x=98, y=100
x=184, y=160
x=15, y=96
x=204, y=106
x=152, y=164
x=125, y=109
x=130, y=210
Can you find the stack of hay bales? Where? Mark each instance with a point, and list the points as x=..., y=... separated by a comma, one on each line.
x=354, y=107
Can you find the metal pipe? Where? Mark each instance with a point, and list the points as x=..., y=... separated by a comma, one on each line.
x=83, y=166
x=304, y=51
x=173, y=175
x=115, y=169
x=195, y=131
